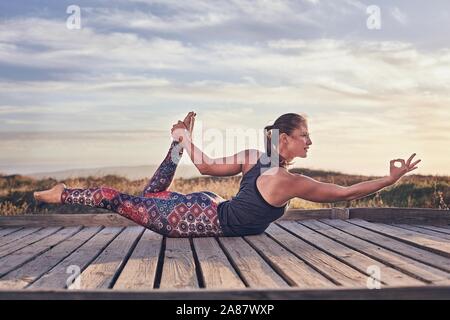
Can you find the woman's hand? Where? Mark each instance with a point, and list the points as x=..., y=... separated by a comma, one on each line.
x=179, y=129
x=180, y=132
x=396, y=173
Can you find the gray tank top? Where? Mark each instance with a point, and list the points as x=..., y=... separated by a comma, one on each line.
x=248, y=213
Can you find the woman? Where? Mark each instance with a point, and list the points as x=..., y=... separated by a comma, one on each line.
x=264, y=192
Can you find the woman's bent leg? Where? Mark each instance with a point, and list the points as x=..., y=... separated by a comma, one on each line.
x=172, y=214
x=163, y=176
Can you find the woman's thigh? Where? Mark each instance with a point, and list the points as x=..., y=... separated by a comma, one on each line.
x=177, y=215
x=196, y=214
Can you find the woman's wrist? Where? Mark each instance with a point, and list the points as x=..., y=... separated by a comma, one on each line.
x=389, y=180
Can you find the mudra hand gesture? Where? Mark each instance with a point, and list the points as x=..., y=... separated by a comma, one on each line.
x=397, y=172
x=182, y=130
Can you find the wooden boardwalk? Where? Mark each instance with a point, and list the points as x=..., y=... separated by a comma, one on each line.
x=294, y=258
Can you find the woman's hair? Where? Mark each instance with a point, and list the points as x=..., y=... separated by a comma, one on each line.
x=286, y=123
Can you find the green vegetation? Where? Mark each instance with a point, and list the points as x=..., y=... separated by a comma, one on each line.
x=16, y=192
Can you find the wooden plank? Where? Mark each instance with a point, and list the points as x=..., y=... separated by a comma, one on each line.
x=302, y=214
x=140, y=270
x=412, y=267
x=399, y=293
x=27, y=253
x=26, y=274
x=353, y=258
x=424, y=231
x=27, y=240
x=6, y=231
x=58, y=276
x=402, y=215
x=66, y=220
x=295, y=271
x=435, y=228
x=252, y=268
x=397, y=246
x=340, y=272
x=216, y=269
x=420, y=240
x=23, y=232
x=179, y=265
x=102, y=271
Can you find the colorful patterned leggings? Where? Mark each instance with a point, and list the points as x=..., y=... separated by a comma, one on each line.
x=168, y=213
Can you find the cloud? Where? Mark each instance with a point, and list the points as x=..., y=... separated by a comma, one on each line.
x=321, y=75
x=399, y=15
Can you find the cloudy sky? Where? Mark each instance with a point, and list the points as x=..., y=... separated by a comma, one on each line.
x=107, y=94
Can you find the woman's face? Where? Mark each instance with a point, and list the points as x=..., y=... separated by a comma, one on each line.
x=298, y=142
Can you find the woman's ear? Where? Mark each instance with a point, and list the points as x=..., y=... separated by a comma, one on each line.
x=283, y=137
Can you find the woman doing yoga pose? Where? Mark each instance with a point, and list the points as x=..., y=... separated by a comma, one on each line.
x=264, y=192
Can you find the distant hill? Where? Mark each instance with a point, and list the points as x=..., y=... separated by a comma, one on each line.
x=131, y=173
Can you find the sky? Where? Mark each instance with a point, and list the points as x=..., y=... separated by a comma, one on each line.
x=107, y=93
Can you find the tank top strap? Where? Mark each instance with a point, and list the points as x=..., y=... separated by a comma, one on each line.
x=254, y=171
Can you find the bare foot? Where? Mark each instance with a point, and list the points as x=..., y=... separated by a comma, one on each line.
x=52, y=195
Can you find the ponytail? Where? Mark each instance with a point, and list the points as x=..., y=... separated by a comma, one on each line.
x=268, y=139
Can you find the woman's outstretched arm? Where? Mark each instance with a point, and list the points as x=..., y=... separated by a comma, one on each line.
x=365, y=188
x=312, y=190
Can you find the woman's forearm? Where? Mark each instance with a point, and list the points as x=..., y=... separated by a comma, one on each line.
x=366, y=188
x=198, y=157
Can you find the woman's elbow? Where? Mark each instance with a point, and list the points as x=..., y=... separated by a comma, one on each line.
x=347, y=195
x=204, y=170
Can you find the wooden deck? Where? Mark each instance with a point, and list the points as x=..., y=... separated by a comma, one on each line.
x=296, y=258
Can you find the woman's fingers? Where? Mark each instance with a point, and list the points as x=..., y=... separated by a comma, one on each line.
x=402, y=162
x=414, y=163
x=393, y=161
x=188, y=115
x=410, y=158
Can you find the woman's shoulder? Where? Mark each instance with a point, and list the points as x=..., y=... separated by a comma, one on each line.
x=280, y=174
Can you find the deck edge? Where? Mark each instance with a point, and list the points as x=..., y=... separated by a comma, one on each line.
x=389, y=215
x=395, y=293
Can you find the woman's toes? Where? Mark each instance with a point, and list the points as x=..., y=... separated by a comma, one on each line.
x=36, y=195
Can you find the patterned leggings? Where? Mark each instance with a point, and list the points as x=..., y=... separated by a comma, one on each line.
x=168, y=213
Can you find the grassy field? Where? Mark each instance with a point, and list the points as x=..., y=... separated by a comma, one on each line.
x=16, y=192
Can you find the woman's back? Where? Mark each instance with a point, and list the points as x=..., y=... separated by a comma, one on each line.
x=248, y=212
x=272, y=184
